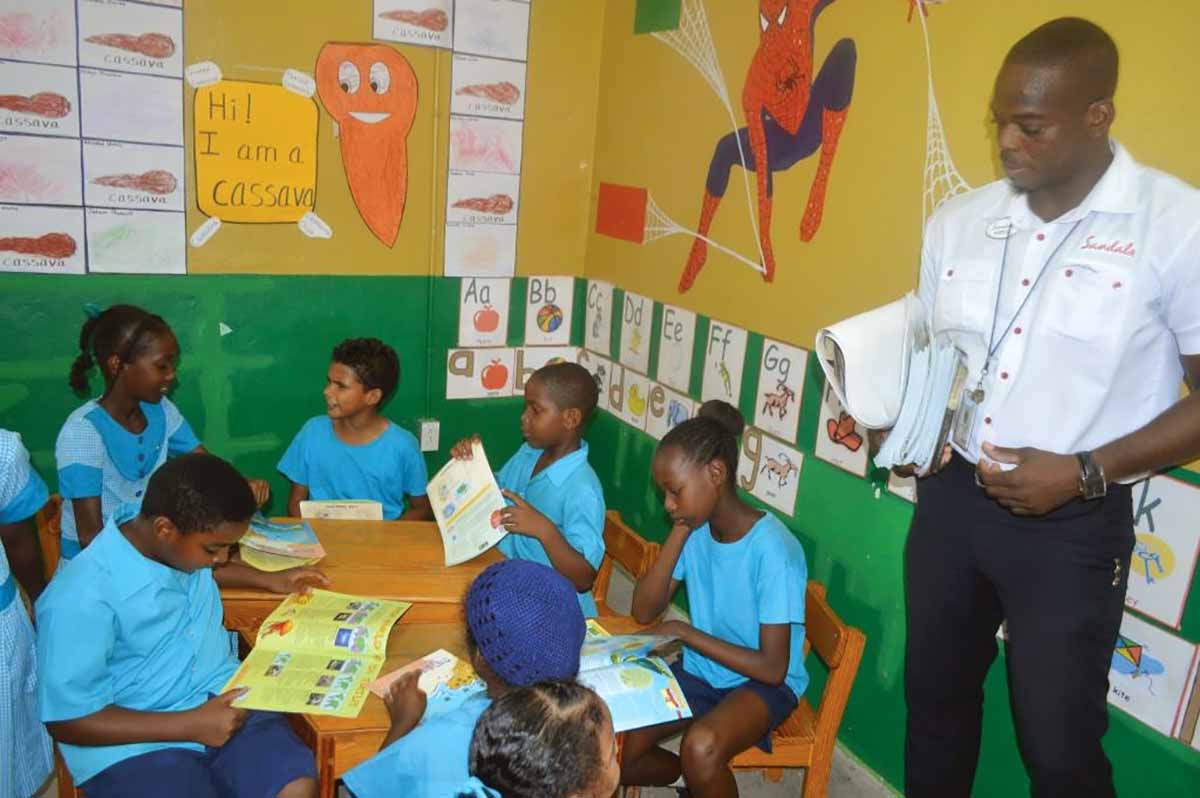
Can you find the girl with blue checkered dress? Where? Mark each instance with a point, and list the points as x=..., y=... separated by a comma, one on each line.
x=109, y=447
x=25, y=752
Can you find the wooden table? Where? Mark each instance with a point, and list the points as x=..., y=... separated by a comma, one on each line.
x=341, y=743
x=387, y=559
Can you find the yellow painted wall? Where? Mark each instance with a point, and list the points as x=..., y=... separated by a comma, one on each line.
x=658, y=123
x=258, y=40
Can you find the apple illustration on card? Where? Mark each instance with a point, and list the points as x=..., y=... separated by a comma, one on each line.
x=494, y=376
x=486, y=319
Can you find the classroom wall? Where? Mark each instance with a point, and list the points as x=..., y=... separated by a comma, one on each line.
x=658, y=123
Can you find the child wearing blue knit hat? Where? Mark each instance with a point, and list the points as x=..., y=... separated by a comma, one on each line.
x=523, y=626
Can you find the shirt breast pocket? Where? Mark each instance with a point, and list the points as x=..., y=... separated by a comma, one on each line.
x=1087, y=301
x=965, y=296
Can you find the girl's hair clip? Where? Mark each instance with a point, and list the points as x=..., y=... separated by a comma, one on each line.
x=92, y=310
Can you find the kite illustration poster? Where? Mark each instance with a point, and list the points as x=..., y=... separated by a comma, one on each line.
x=1150, y=673
x=91, y=137
x=1165, y=513
x=780, y=385
x=724, y=359
x=549, y=302
x=483, y=311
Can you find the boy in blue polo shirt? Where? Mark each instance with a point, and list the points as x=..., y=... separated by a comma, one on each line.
x=352, y=452
x=25, y=749
x=558, y=504
x=132, y=653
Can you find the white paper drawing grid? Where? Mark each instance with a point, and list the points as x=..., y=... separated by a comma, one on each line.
x=637, y=316
x=840, y=441
x=780, y=389
x=597, y=329
x=483, y=311
x=422, y=22
x=1149, y=674
x=676, y=343
x=724, y=361
x=1166, y=520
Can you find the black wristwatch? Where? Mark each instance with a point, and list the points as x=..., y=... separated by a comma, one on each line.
x=1092, y=484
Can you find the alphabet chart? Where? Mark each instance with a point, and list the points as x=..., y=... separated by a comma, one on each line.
x=91, y=138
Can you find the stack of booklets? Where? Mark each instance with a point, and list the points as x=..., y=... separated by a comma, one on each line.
x=466, y=505
x=891, y=372
x=628, y=671
x=317, y=653
x=278, y=545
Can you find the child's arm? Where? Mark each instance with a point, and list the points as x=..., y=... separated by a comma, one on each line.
x=524, y=519
x=419, y=509
x=405, y=703
x=767, y=664
x=292, y=580
x=88, y=519
x=212, y=723
x=299, y=493
x=654, y=590
x=24, y=557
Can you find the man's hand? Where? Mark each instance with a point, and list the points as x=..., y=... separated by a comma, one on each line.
x=523, y=519
x=1041, y=482
x=875, y=439
x=216, y=720
x=295, y=580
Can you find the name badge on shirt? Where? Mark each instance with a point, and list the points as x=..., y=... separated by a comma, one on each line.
x=1000, y=229
x=964, y=420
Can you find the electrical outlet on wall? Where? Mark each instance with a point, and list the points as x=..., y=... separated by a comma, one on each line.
x=430, y=429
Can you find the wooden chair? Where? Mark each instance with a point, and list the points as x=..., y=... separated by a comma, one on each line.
x=622, y=545
x=49, y=528
x=807, y=738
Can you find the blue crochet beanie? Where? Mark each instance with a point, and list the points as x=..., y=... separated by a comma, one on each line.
x=526, y=621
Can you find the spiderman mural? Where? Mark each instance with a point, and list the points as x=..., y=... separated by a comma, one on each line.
x=790, y=114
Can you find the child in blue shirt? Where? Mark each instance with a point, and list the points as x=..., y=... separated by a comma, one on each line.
x=25, y=748
x=554, y=738
x=558, y=503
x=132, y=652
x=523, y=627
x=108, y=448
x=743, y=660
x=352, y=452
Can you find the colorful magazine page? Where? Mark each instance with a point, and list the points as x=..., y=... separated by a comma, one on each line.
x=289, y=538
x=448, y=681
x=639, y=691
x=342, y=509
x=598, y=652
x=317, y=653
x=466, y=504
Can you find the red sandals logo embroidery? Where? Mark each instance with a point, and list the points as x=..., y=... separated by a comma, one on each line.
x=1117, y=247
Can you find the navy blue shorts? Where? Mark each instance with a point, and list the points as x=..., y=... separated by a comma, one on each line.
x=703, y=698
x=257, y=762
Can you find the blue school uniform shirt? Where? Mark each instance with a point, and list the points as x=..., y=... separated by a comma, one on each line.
x=428, y=762
x=734, y=587
x=119, y=629
x=384, y=470
x=567, y=492
x=98, y=457
x=25, y=748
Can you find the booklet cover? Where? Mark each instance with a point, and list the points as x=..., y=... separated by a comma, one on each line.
x=466, y=504
x=342, y=509
x=288, y=538
x=449, y=682
x=317, y=653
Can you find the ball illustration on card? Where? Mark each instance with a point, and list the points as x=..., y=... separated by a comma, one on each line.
x=549, y=318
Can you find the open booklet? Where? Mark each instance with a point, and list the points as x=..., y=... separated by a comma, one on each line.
x=891, y=372
x=317, y=653
x=466, y=504
x=626, y=671
x=285, y=538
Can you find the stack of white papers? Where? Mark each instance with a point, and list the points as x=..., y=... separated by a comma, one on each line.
x=887, y=365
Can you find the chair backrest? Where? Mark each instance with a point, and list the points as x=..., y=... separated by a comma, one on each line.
x=49, y=527
x=623, y=545
x=840, y=647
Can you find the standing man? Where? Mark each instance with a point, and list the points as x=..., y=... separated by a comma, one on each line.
x=1074, y=288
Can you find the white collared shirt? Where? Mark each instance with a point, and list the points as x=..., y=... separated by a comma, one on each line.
x=1102, y=303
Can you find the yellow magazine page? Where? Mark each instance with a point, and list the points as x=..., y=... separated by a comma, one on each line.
x=286, y=681
x=327, y=623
